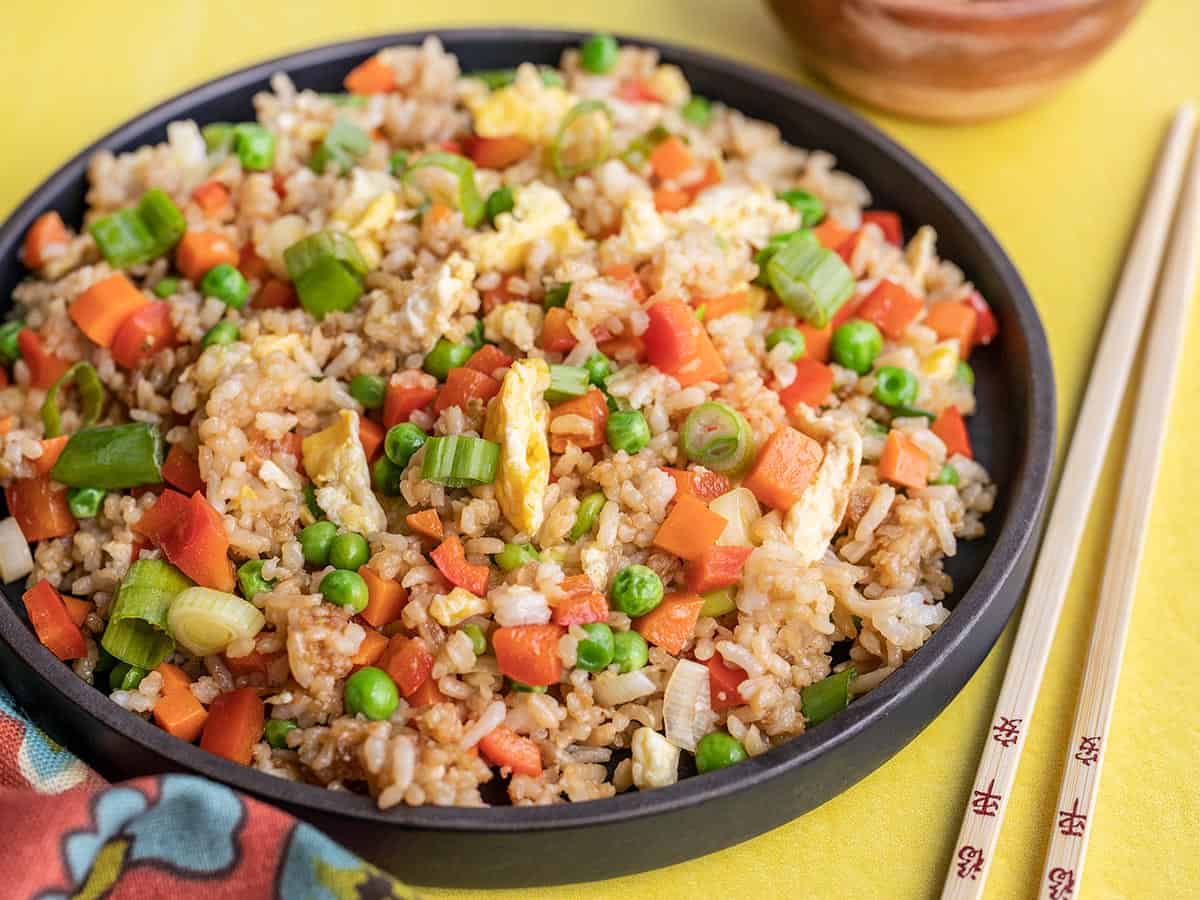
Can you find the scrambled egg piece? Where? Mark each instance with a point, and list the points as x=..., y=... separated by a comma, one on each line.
x=739, y=213
x=516, y=420
x=368, y=211
x=942, y=361
x=655, y=759
x=814, y=519
x=518, y=322
x=669, y=85
x=450, y=609
x=540, y=213
x=527, y=108
x=337, y=465
x=643, y=230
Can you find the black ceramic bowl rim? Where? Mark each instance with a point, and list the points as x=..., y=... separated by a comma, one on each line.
x=1031, y=478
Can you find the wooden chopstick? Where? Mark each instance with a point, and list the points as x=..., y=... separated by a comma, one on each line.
x=980, y=831
x=1093, y=716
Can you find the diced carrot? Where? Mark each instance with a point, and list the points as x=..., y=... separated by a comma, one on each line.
x=704, y=484
x=426, y=695
x=888, y=222
x=903, y=462
x=386, y=598
x=690, y=528
x=452, y=562
x=254, y=662
x=671, y=157
x=143, y=334
x=251, y=265
x=627, y=275
x=635, y=90
x=954, y=320
x=52, y=622
x=716, y=567
x=667, y=199
x=370, y=435
x=199, y=251
x=438, y=213
x=47, y=237
x=710, y=176
x=180, y=470
x=831, y=233
x=211, y=196
x=891, y=308
x=372, y=647
x=556, y=333
x=372, y=76
x=816, y=341
x=6, y=422
x=592, y=407
x=157, y=519
x=45, y=368
x=40, y=508
x=987, y=328
x=672, y=623
x=191, y=536
x=498, y=152
x=234, y=725
x=529, y=653
x=784, y=467
x=624, y=348
x=505, y=748
x=950, y=427
x=812, y=385
x=581, y=603
x=275, y=294
x=488, y=358
x=463, y=385
x=408, y=662
x=177, y=710
x=51, y=449
x=426, y=523
x=401, y=401
x=716, y=307
x=77, y=609
x=723, y=681
x=677, y=344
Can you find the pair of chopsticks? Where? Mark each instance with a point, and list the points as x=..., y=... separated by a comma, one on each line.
x=1072, y=819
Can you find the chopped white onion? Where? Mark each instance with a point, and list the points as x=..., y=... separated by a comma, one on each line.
x=739, y=508
x=613, y=690
x=687, y=708
x=519, y=605
x=655, y=759
x=15, y=559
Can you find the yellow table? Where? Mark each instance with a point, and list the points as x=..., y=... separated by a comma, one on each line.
x=1059, y=185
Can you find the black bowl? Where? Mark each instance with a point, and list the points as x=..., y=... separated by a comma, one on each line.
x=1013, y=434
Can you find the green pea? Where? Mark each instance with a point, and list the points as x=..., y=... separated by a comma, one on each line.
x=947, y=474
x=522, y=688
x=402, y=442
x=513, y=556
x=637, y=590
x=10, y=350
x=895, y=386
x=718, y=602
x=370, y=692
x=398, y=162
x=595, y=652
x=964, y=373
x=793, y=337
x=446, y=356
x=250, y=579
x=349, y=551
x=85, y=502
x=368, y=390
x=345, y=589
x=718, y=750
x=221, y=333
x=586, y=515
x=125, y=677
x=386, y=476
x=276, y=732
x=477, y=636
x=627, y=430
x=557, y=295
x=166, y=287
x=630, y=651
x=856, y=344
x=810, y=207
x=498, y=201
x=598, y=54
x=599, y=367
x=697, y=111
x=315, y=541
x=227, y=284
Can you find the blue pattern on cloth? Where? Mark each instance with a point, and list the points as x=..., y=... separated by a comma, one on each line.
x=47, y=766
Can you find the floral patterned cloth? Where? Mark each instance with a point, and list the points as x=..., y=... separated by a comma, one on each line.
x=177, y=836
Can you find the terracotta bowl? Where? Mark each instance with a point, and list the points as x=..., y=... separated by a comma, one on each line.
x=952, y=60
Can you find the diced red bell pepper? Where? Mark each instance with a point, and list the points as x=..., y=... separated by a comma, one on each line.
x=451, y=561
x=715, y=568
x=45, y=368
x=192, y=536
x=497, y=152
x=143, y=334
x=180, y=470
x=52, y=623
x=677, y=344
x=812, y=385
x=888, y=222
x=529, y=653
x=401, y=401
x=952, y=429
x=408, y=662
x=488, y=358
x=234, y=725
x=40, y=508
x=637, y=91
x=505, y=748
x=463, y=385
x=591, y=406
x=987, y=328
x=891, y=308
x=723, y=681
x=581, y=603
x=556, y=335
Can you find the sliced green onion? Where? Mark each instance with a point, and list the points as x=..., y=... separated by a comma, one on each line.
x=830, y=695
x=513, y=556
x=112, y=457
x=125, y=677
x=947, y=474
x=774, y=242
x=206, y=621
x=566, y=382
x=628, y=430
x=717, y=437
x=398, y=162
x=357, y=101
x=499, y=201
x=475, y=335
x=460, y=461
x=809, y=205
x=327, y=270
x=639, y=149
x=250, y=579
x=697, y=111
x=254, y=145
x=501, y=78
x=137, y=632
x=911, y=412
x=91, y=392
x=162, y=219
x=446, y=356
x=218, y=137
x=123, y=238
x=586, y=515
x=166, y=287
x=338, y=245
x=964, y=373
x=567, y=169
x=85, y=502
x=811, y=281
x=10, y=348
x=310, y=501
x=477, y=636
x=793, y=337
x=718, y=602
x=343, y=145
x=467, y=201
x=557, y=295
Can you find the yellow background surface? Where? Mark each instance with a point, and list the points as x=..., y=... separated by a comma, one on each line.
x=1059, y=185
